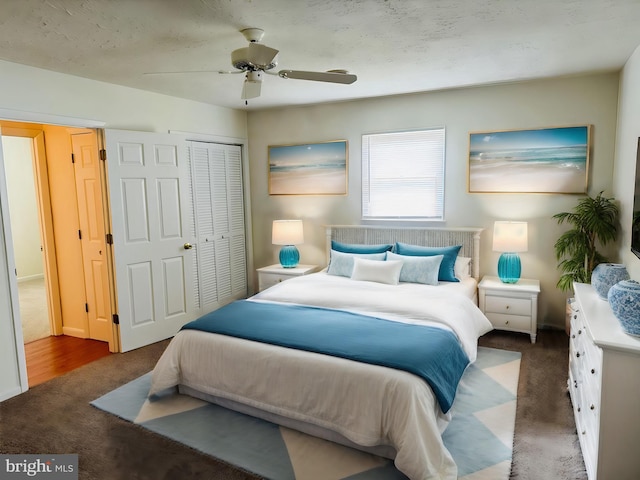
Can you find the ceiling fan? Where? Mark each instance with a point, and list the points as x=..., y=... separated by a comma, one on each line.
x=257, y=59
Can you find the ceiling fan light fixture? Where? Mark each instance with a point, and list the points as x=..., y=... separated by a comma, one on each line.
x=252, y=85
x=254, y=76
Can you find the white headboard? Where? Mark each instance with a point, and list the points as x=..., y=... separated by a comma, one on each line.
x=469, y=238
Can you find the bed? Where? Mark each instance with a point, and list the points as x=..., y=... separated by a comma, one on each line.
x=352, y=400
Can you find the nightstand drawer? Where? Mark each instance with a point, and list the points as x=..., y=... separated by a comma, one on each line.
x=270, y=279
x=507, y=306
x=274, y=274
x=517, y=323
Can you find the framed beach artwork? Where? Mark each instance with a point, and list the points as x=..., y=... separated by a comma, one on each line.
x=308, y=169
x=545, y=160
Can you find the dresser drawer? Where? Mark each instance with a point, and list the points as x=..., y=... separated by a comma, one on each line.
x=508, y=306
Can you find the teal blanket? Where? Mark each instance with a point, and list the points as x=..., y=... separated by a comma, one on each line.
x=431, y=353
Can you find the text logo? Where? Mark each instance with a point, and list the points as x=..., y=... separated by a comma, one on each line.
x=45, y=466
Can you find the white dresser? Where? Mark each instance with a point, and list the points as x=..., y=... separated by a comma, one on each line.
x=604, y=383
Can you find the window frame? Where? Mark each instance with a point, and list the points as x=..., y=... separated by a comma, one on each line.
x=439, y=187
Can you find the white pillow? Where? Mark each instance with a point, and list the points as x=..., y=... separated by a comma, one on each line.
x=341, y=264
x=462, y=268
x=418, y=269
x=376, y=271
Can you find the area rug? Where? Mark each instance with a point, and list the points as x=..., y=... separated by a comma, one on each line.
x=479, y=437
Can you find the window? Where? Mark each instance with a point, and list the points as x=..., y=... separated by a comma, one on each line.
x=403, y=175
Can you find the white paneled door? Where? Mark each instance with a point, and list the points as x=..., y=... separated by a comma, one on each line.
x=151, y=221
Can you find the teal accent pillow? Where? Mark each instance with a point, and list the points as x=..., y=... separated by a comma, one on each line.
x=447, y=266
x=341, y=264
x=418, y=269
x=359, y=248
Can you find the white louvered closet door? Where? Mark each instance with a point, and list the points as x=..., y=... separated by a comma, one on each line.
x=219, y=229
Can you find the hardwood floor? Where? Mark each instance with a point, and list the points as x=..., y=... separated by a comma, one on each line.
x=54, y=356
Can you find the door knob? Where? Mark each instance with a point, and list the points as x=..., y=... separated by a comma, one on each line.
x=188, y=246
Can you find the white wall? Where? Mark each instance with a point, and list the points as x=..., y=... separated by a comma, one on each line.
x=558, y=102
x=31, y=89
x=628, y=132
x=23, y=209
x=27, y=89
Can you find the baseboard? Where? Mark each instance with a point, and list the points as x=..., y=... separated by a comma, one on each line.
x=12, y=392
x=30, y=277
x=74, y=332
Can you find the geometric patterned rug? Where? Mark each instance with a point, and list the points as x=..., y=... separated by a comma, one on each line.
x=479, y=437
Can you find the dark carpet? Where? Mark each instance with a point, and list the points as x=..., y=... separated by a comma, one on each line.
x=56, y=417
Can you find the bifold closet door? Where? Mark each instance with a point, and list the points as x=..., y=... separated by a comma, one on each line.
x=219, y=229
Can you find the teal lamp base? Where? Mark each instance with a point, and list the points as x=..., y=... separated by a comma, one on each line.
x=509, y=267
x=289, y=256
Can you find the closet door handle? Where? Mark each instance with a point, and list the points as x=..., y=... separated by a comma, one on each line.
x=188, y=246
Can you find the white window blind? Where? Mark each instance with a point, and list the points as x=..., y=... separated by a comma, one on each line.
x=403, y=175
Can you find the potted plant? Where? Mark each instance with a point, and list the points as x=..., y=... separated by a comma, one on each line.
x=594, y=223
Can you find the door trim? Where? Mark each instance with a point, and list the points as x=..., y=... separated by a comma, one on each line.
x=45, y=218
x=61, y=120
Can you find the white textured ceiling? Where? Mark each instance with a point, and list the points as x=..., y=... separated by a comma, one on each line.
x=393, y=46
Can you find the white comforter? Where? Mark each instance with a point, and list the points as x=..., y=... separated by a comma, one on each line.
x=369, y=405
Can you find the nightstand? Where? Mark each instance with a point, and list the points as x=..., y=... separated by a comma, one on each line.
x=269, y=276
x=510, y=306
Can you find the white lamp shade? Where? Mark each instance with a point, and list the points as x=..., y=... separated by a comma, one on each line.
x=287, y=232
x=510, y=237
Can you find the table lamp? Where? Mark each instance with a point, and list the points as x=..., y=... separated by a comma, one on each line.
x=509, y=238
x=288, y=233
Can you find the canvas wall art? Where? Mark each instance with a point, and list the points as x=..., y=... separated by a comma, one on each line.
x=545, y=160
x=308, y=169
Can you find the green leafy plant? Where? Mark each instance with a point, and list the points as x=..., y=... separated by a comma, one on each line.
x=594, y=223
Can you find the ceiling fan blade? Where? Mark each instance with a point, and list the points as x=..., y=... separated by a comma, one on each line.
x=333, y=77
x=262, y=56
x=254, y=57
x=185, y=71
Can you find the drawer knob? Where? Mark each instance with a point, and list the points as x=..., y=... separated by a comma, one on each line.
x=593, y=371
x=575, y=317
x=573, y=336
x=579, y=409
x=578, y=354
x=592, y=407
x=506, y=322
x=580, y=332
x=507, y=307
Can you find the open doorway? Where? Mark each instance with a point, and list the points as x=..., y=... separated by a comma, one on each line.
x=25, y=229
x=50, y=208
x=27, y=237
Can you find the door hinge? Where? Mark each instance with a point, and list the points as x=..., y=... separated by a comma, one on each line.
x=116, y=319
x=86, y=307
x=103, y=154
x=73, y=158
x=80, y=234
x=109, y=239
